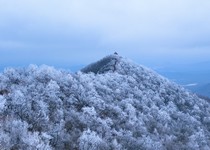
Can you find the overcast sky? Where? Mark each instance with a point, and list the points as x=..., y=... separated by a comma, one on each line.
x=75, y=32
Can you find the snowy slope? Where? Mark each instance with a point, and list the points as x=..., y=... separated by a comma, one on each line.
x=110, y=104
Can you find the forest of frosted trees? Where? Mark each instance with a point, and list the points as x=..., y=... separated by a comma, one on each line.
x=113, y=104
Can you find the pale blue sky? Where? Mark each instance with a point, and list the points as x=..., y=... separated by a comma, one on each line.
x=75, y=32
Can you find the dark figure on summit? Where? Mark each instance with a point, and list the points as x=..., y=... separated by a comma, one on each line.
x=115, y=53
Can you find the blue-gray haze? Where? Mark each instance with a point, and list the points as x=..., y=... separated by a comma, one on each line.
x=168, y=36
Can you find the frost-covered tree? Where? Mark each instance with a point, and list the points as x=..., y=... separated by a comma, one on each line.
x=89, y=140
x=111, y=104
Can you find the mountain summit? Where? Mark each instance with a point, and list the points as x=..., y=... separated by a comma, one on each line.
x=115, y=63
x=110, y=104
x=107, y=64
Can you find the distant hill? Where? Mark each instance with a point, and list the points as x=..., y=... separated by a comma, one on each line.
x=202, y=90
x=112, y=104
x=188, y=73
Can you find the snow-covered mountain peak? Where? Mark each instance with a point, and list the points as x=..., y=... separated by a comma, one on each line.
x=125, y=67
x=115, y=63
x=107, y=64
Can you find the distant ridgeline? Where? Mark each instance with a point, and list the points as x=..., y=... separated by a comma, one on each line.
x=112, y=104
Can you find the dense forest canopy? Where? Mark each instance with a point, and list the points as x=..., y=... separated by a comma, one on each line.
x=113, y=104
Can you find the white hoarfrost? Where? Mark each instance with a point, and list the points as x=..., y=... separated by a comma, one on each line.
x=113, y=104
